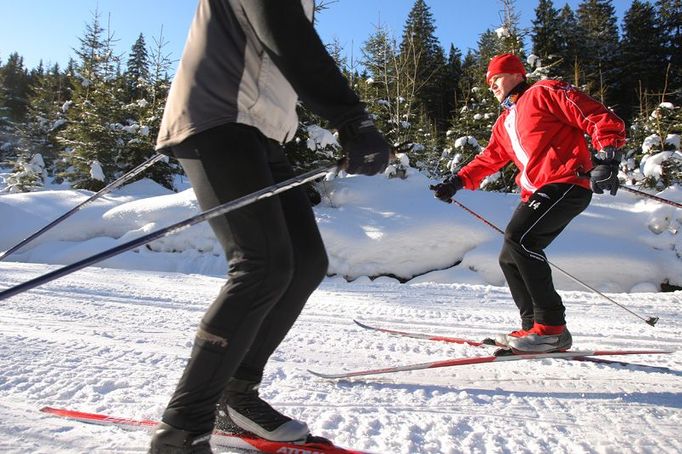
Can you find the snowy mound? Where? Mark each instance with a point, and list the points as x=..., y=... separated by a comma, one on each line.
x=372, y=227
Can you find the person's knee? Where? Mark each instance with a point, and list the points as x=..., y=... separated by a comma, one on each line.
x=319, y=261
x=503, y=259
x=522, y=241
x=509, y=246
x=263, y=269
x=278, y=269
x=312, y=266
x=512, y=237
x=320, y=266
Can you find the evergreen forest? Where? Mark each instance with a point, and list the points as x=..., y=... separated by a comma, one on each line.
x=89, y=122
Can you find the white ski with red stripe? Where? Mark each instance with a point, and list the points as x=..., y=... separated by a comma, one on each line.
x=433, y=337
x=222, y=439
x=487, y=359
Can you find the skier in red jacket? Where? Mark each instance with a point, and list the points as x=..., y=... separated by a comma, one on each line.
x=541, y=129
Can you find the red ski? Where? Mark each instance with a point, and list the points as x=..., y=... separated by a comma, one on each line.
x=487, y=359
x=222, y=439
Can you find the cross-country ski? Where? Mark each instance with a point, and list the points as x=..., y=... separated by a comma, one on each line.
x=221, y=439
x=433, y=337
x=485, y=359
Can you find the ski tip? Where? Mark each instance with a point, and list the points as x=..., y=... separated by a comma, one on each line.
x=317, y=374
x=323, y=375
x=359, y=323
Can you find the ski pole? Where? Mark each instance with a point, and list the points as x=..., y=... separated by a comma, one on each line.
x=649, y=320
x=110, y=187
x=651, y=196
x=177, y=227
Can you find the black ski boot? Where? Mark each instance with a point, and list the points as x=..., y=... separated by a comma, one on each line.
x=169, y=440
x=241, y=406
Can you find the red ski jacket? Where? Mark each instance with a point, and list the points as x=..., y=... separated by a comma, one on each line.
x=543, y=133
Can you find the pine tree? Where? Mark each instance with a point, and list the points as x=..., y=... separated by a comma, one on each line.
x=91, y=137
x=14, y=91
x=45, y=117
x=5, y=124
x=509, y=33
x=569, y=68
x=15, y=87
x=644, y=66
x=474, y=120
x=147, y=84
x=669, y=17
x=390, y=86
x=425, y=147
x=654, y=157
x=36, y=74
x=489, y=45
x=453, y=94
x=137, y=69
x=598, y=47
x=160, y=80
x=424, y=58
x=472, y=124
x=548, y=44
x=472, y=75
x=27, y=175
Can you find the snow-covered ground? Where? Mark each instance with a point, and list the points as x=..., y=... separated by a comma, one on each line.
x=115, y=339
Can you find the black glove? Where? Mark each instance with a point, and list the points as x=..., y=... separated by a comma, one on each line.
x=446, y=190
x=364, y=146
x=604, y=175
x=609, y=154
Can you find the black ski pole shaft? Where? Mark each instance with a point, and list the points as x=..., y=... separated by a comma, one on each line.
x=649, y=320
x=186, y=223
x=110, y=187
x=651, y=196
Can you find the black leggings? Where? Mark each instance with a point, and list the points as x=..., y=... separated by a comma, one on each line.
x=534, y=225
x=276, y=260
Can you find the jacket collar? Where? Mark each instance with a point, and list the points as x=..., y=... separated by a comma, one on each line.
x=514, y=95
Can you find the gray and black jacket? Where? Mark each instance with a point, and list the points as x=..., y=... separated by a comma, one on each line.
x=249, y=61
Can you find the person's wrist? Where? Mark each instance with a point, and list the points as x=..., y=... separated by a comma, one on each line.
x=455, y=181
x=609, y=155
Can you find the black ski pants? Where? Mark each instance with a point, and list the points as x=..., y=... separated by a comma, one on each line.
x=533, y=226
x=276, y=260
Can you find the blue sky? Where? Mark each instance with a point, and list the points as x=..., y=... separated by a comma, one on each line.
x=49, y=29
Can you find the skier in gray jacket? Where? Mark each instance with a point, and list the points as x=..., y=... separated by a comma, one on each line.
x=232, y=104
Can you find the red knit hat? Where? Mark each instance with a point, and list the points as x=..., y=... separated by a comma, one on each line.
x=504, y=63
